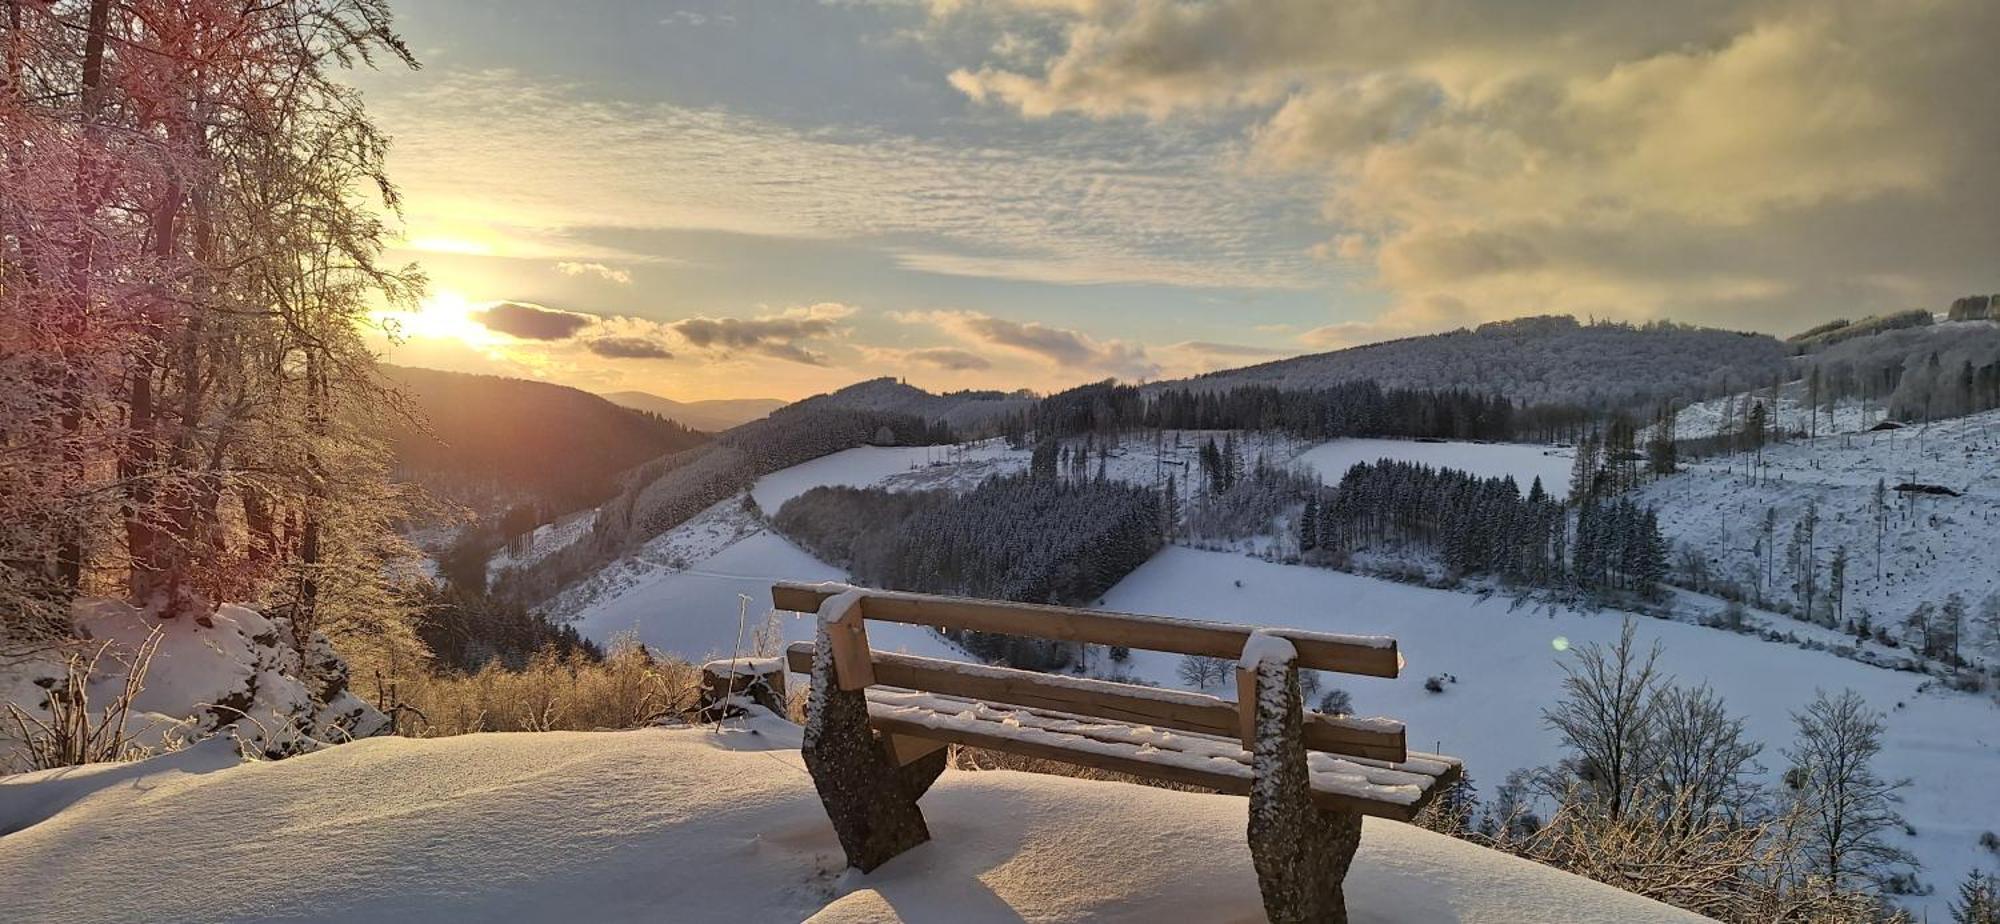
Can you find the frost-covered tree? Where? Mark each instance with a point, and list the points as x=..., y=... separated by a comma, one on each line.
x=189, y=256
x=1849, y=810
x=1608, y=717
x=1703, y=764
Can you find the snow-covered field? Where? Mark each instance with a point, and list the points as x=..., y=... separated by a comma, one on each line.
x=681, y=596
x=1508, y=670
x=898, y=467
x=676, y=825
x=1523, y=462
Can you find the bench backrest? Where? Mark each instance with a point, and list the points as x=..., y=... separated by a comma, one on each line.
x=857, y=666
x=1370, y=655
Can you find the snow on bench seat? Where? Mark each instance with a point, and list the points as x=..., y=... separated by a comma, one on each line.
x=1371, y=737
x=1369, y=787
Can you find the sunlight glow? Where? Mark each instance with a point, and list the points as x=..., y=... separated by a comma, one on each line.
x=442, y=315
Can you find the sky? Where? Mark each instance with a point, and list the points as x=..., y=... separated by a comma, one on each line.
x=744, y=198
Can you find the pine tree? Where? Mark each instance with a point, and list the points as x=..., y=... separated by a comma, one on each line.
x=1978, y=900
x=1309, y=523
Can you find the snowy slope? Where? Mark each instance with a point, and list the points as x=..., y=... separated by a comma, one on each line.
x=1524, y=463
x=1507, y=670
x=1934, y=545
x=677, y=825
x=899, y=467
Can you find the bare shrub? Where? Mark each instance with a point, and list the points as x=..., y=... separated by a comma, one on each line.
x=73, y=734
x=629, y=688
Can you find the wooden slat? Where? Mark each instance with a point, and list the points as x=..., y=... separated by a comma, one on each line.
x=853, y=667
x=907, y=750
x=1189, y=712
x=1137, y=765
x=1246, y=706
x=1071, y=624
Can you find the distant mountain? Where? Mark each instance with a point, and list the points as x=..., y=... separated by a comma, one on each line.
x=497, y=441
x=712, y=416
x=964, y=411
x=1550, y=359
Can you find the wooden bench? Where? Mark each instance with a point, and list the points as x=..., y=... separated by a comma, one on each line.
x=877, y=724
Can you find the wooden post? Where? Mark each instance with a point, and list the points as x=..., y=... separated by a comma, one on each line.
x=1301, y=852
x=848, y=635
x=1246, y=705
x=870, y=798
x=726, y=684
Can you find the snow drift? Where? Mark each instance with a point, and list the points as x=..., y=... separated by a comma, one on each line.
x=686, y=825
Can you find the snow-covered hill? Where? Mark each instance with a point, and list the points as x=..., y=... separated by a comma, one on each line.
x=1536, y=360
x=1931, y=545
x=689, y=825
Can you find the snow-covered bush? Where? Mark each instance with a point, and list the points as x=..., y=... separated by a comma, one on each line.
x=243, y=675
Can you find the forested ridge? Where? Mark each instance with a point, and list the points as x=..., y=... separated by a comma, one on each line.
x=490, y=441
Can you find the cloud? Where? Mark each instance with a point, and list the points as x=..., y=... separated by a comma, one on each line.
x=1058, y=346
x=508, y=166
x=606, y=273
x=1425, y=315
x=778, y=336
x=533, y=322
x=628, y=348
x=949, y=358
x=1735, y=161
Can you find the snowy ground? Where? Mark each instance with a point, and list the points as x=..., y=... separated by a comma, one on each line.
x=1789, y=414
x=898, y=467
x=682, y=825
x=1934, y=545
x=1523, y=462
x=681, y=595
x=1506, y=663
x=546, y=540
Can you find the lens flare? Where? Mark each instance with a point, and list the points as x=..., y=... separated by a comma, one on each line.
x=1560, y=643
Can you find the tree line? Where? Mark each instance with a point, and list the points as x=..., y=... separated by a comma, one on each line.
x=1349, y=409
x=1018, y=537
x=1485, y=526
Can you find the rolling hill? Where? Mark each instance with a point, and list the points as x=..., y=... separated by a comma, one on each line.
x=710, y=416
x=495, y=441
x=1553, y=359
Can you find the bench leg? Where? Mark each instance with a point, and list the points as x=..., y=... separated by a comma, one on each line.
x=871, y=801
x=1301, y=851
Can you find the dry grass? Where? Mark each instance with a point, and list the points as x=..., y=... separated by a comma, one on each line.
x=73, y=735
x=628, y=689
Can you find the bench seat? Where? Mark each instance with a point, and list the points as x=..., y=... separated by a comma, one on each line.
x=1395, y=790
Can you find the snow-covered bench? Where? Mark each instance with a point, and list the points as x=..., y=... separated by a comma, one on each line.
x=877, y=724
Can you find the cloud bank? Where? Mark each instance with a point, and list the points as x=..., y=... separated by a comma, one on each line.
x=1747, y=162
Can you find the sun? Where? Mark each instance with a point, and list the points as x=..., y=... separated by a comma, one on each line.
x=442, y=315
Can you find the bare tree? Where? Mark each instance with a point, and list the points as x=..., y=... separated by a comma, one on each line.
x=1847, y=807
x=1703, y=767
x=1607, y=715
x=1202, y=672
